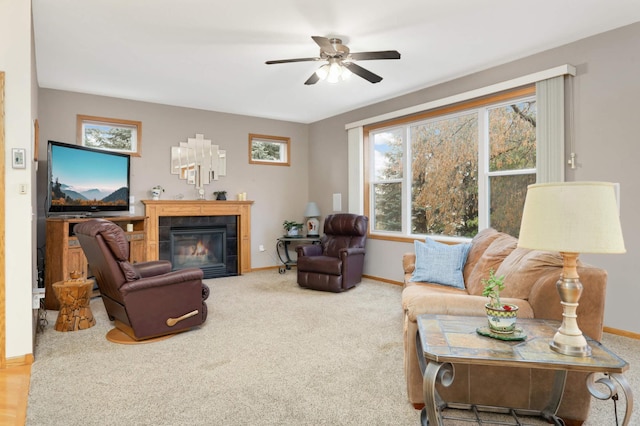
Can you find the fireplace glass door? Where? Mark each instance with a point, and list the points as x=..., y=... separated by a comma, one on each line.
x=203, y=248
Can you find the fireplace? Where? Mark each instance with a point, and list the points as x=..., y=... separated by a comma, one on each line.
x=205, y=242
x=158, y=211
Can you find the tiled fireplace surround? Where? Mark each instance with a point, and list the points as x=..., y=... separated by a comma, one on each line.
x=161, y=215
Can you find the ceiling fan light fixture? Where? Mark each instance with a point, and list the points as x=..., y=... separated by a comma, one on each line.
x=323, y=72
x=335, y=71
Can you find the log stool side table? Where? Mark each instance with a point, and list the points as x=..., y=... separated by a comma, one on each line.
x=74, y=296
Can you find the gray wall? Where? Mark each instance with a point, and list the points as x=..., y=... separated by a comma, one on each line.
x=279, y=192
x=607, y=89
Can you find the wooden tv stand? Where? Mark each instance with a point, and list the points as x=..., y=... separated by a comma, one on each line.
x=63, y=253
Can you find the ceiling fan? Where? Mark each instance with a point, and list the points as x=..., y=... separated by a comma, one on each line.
x=340, y=61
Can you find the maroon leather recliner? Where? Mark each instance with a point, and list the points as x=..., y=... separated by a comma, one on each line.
x=146, y=299
x=336, y=264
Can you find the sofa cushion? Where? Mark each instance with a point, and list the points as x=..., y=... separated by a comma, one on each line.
x=479, y=244
x=440, y=263
x=492, y=257
x=523, y=267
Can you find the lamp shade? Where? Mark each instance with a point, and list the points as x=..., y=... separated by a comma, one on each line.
x=312, y=210
x=571, y=217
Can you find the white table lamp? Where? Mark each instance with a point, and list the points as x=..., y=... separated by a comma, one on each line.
x=571, y=218
x=312, y=212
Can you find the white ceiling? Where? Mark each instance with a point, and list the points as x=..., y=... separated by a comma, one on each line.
x=210, y=54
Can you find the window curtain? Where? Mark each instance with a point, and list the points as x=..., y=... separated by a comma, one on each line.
x=355, y=138
x=550, y=130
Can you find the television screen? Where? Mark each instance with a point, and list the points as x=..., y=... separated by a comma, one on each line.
x=86, y=180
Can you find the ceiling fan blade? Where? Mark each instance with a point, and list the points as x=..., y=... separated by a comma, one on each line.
x=325, y=44
x=364, y=73
x=286, y=61
x=312, y=80
x=384, y=54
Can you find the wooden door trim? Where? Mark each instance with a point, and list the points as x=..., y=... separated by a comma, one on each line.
x=3, y=321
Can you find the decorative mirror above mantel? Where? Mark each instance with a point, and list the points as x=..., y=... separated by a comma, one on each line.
x=198, y=162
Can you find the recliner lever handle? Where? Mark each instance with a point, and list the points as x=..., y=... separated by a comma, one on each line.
x=173, y=321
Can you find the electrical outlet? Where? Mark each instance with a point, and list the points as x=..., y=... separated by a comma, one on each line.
x=38, y=293
x=261, y=247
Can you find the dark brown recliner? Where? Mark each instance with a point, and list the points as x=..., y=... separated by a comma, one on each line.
x=335, y=264
x=146, y=300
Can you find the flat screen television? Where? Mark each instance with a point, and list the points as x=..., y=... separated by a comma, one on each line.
x=86, y=181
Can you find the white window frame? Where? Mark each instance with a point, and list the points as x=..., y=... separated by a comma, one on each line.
x=483, y=170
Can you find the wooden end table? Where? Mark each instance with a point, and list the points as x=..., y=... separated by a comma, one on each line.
x=74, y=297
x=444, y=340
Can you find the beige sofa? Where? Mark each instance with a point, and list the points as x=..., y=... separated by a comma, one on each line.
x=530, y=278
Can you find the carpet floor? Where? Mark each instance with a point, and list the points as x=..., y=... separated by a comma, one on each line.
x=270, y=353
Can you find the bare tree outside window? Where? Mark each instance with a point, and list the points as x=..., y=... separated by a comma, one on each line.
x=512, y=162
x=444, y=179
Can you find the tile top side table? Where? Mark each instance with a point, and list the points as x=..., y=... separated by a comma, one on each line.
x=443, y=340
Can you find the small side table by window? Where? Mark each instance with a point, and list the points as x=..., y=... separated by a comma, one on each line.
x=283, y=247
x=74, y=296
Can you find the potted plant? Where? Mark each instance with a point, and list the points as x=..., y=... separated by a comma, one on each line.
x=292, y=227
x=501, y=316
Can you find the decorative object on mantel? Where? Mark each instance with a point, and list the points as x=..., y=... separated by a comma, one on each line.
x=198, y=162
x=312, y=212
x=156, y=191
x=292, y=227
x=501, y=317
x=571, y=218
x=220, y=195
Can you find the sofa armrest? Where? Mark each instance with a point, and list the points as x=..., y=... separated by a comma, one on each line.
x=152, y=268
x=409, y=262
x=309, y=250
x=172, y=278
x=417, y=300
x=351, y=251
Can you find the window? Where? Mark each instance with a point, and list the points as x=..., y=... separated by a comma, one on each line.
x=110, y=134
x=453, y=171
x=270, y=150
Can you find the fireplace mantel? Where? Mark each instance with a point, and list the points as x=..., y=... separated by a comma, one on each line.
x=154, y=209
